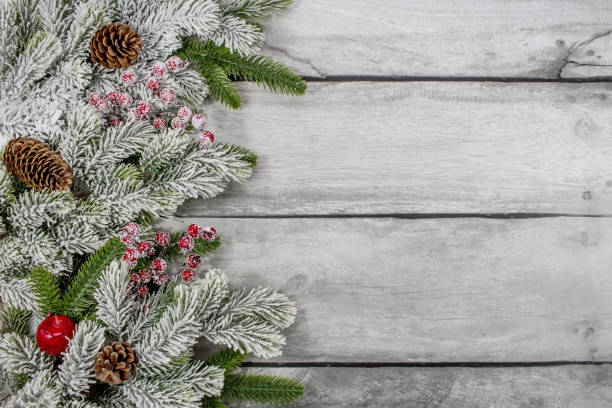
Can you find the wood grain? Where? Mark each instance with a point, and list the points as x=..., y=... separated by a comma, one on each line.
x=457, y=38
x=454, y=387
x=430, y=290
x=434, y=147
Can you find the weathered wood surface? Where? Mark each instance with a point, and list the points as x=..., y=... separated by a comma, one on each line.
x=452, y=387
x=465, y=38
x=430, y=290
x=425, y=147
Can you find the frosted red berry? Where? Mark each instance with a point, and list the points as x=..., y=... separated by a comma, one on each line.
x=159, y=70
x=132, y=228
x=199, y=121
x=167, y=95
x=184, y=114
x=189, y=275
x=177, y=123
x=153, y=84
x=95, y=98
x=145, y=248
x=128, y=77
x=145, y=275
x=125, y=99
x=113, y=96
x=162, y=238
x=159, y=265
x=175, y=64
x=142, y=291
x=185, y=243
x=160, y=122
x=134, y=278
x=206, y=139
x=115, y=120
x=130, y=255
x=126, y=238
x=103, y=107
x=194, y=230
x=194, y=260
x=133, y=114
x=144, y=108
x=209, y=234
x=161, y=279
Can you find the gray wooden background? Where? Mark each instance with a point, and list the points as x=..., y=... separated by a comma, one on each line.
x=438, y=204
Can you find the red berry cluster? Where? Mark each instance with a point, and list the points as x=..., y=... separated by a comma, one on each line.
x=119, y=106
x=147, y=258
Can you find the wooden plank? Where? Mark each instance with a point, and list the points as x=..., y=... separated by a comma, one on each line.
x=452, y=387
x=430, y=290
x=435, y=147
x=500, y=38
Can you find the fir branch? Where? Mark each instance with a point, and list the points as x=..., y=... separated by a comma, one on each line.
x=200, y=247
x=212, y=403
x=78, y=298
x=40, y=391
x=20, y=355
x=219, y=85
x=261, y=389
x=256, y=68
x=14, y=320
x=46, y=290
x=253, y=9
x=114, y=304
x=227, y=359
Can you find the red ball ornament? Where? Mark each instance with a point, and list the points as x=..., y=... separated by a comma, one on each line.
x=53, y=333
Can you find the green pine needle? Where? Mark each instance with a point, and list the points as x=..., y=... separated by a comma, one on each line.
x=14, y=320
x=212, y=403
x=46, y=290
x=200, y=247
x=250, y=9
x=227, y=359
x=261, y=389
x=248, y=156
x=78, y=298
x=217, y=63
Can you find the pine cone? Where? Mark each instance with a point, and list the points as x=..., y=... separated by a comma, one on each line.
x=115, y=46
x=115, y=363
x=32, y=162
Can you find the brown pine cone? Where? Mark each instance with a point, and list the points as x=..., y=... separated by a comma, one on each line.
x=32, y=162
x=115, y=363
x=115, y=46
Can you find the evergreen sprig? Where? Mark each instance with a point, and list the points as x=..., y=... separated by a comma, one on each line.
x=78, y=297
x=218, y=64
x=14, y=320
x=227, y=358
x=46, y=290
x=261, y=389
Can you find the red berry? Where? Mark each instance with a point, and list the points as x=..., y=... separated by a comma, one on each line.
x=177, y=123
x=53, y=333
x=184, y=114
x=175, y=64
x=132, y=228
x=103, y=107
x=153, y=84
x=142, y=291
x=134, y=278
x=145, y=275
x=206, y=139
x=162, y=238
x=125, y=99
x=133, y=114
x=144, y=108
x=128, y=77
x=115, y=120
x=194, y=230
x=160, y=122
x=194, y=260
x=130, y=255
x=113, y=96
x=146, y=248
x=161, y=279
x=189, y=275
x=209, y=234
x=199, y=121
x=159, y=265
x=186, y=244
x=159, y=70
x=95, y=98
x=167, y=95
x=126, y=238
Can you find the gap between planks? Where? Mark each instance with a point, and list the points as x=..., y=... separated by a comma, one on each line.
x=441, y=364
x=412, y=216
